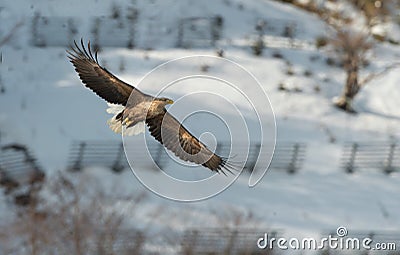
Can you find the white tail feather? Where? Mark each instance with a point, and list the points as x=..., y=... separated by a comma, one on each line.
x=114, y=108
x=116, y=125
x=135, y=130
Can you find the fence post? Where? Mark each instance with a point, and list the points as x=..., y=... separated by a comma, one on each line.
x=7, y=182
x=389, y=162
x=189, y=243
x=158, y=158
x=2, y=88
x=72, y=30
x=78, y=163
x=230, y=246
x=117, y=166
x=215, y=28
x=289, y=32
x=292, y=165
x=252, y=163
x=350, y=164
x=179, y=42
x=37, y=39
x=38, y=175
x=96, y=31
x=218, y=148
x=132, y=19
x=371, y=236
x=29, y=159
x=259, y=44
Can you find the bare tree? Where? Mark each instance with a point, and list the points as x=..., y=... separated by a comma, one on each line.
x=352, y=48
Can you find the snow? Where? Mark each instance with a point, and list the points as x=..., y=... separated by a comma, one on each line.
x=46, y=107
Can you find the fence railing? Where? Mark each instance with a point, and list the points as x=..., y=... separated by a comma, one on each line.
x=123, y=30
x=288, y=156
x=18, y=167
x=224, y=241
x=97, y=153
x=377, y=240
x=379, y=155
x=245, y=241
x=199, y=31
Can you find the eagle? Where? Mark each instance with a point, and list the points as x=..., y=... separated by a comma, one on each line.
x=142, y=109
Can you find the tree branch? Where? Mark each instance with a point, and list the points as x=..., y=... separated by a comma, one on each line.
x=10, y=34
x=375, y=75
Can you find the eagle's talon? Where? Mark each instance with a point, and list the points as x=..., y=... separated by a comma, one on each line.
x=127, y=122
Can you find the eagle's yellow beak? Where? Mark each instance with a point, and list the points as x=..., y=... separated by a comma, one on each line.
x=169, y=101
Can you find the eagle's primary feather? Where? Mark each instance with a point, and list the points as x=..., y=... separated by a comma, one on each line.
x=143, y=108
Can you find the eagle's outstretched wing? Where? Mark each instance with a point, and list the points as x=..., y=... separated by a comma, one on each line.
x=169, y=132
x=97, y=78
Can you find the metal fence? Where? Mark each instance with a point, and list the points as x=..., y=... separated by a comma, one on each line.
x=225, y=241
x=199, y=31
x=288, y=156
x=246, y=241
x=126, y=30
x=379, y=155
x=18, y=167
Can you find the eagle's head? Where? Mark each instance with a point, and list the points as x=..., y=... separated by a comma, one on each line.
x=158, y=104
x=165, y=100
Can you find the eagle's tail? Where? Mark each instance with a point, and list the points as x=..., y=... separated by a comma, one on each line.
x=134, y=130
x=115, y=122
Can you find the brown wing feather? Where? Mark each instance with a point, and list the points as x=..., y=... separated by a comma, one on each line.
x=175, y=137
x=97, y=78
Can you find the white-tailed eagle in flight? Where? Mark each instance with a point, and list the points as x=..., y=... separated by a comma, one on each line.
x=141, y=110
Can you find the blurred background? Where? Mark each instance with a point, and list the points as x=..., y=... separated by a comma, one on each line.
x=329, y=67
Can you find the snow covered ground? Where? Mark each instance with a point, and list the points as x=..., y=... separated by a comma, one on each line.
x=46, y=107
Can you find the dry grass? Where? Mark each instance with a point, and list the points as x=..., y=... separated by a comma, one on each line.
x=71, y=218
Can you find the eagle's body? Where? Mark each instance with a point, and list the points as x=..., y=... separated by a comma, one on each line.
x=131, y=116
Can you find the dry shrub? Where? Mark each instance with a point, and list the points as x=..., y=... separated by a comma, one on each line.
x=72, y=217
x=321, y=42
